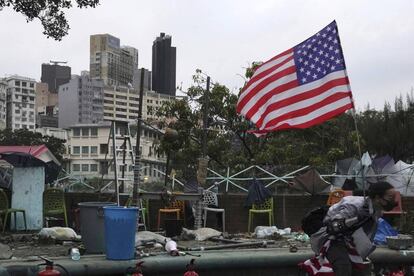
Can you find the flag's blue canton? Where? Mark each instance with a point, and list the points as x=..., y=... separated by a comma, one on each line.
x=319, y=55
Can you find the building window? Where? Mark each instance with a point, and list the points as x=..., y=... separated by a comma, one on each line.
x=94, y=167
x=94, y=150
x=85, y=167
x=85, y=132
x=76, y=167
x=31, y=85
x=76, y=150
x=94, y=131
x=76, y=132
x=24, y=83
x=85, y=150
x=17, y=83
x=103, y=148
x=17, y=125
x=17, y=111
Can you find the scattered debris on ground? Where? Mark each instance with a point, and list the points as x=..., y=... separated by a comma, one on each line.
x=31, y=245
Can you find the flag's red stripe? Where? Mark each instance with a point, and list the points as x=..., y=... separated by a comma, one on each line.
x=305, y=111
x=265, y=98
x=315, y=121
x=303, y=96
x=275, y=57
x=266, y=72
x=263, y=84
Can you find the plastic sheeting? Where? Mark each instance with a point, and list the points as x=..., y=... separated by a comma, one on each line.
x=384, y=229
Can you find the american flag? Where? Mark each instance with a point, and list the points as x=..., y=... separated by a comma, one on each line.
x=301, y=87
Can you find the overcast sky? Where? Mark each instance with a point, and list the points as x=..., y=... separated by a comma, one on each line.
x=221, y=37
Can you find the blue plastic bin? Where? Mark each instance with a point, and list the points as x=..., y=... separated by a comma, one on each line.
x=120, y=228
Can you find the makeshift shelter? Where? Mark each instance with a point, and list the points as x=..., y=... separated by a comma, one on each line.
x=344, y=167
x=403, y=178
x=33, y=166
x=383, y=168
x=310, y=182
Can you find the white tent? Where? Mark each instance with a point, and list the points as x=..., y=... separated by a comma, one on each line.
x=403, y=178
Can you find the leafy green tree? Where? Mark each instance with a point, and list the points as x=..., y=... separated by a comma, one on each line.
x=50, y=13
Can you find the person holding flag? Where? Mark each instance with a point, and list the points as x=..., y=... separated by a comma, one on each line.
x=299, y=88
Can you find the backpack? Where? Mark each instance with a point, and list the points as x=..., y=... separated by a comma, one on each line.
x=313, y=220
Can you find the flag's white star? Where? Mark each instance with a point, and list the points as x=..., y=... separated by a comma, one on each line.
x=302, y=69
x=332, y=67
x=312, y=66
x=338, y=61
x=318, y=69
x=336, y=51
x=320, y=52
x=314, y=76
x=316, y=59
x=325, y=45
x=308, y=73
x=306, y=62
x=304, y=80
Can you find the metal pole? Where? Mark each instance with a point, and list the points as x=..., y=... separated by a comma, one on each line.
x=137, y=166
x=122, y=186
x=113, y=130
x=359, y=149
x=205, y=117
x=166, y=169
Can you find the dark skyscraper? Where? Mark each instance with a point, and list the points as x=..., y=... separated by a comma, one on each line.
x=163, y=65
x=55, y=75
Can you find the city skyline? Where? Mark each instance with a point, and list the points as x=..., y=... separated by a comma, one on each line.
x=375, y=37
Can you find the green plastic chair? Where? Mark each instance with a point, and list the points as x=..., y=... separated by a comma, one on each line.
x=4, y=209
x=265, y=207
x=144, y=211
x=54, y=204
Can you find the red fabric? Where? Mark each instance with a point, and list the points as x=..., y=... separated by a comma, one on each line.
x=320, y=266
x=293, y=90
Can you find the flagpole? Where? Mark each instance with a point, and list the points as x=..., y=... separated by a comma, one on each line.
x=357, y=131
x=359, y=145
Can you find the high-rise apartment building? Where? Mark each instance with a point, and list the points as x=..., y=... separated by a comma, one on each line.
x=81, y=101
x=46, y=106
x=3, y=93
x=163, y=65
x=55, y=75
x=147, y=79
x=110, y=62
x=121, y=104
x=20, y=102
